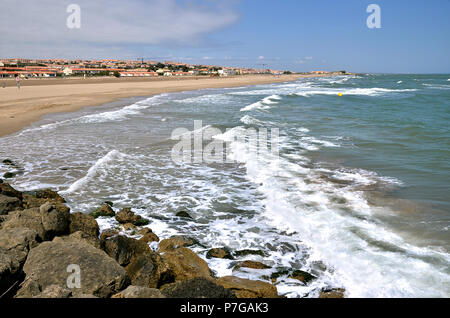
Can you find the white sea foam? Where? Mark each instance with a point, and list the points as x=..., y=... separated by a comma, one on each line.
x=367, y=259
x=92, y=172
x=110, y=116
x=263, y=104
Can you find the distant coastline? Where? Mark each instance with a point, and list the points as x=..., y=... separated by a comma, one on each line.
x=39, y=97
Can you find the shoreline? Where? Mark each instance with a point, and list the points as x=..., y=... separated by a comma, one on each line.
x=18, y=109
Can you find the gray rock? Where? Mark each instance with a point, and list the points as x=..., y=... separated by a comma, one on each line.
x=55, y=218
x=123, y=248
x=139, y=292
x=84, y=223
x=30, y=218
x=8, y=204
x=48, y=263
x=149, y=270
x=196, y=288
x=80, y=236
x=15, y=244
x=55, y=291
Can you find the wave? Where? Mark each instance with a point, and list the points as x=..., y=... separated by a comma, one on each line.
x=121, y=114
x=263, y=104
x=101, y=163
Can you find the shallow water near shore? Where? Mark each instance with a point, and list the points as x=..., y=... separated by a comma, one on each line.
x=359, y=195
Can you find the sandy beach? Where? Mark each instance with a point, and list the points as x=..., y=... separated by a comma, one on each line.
x=38, y=97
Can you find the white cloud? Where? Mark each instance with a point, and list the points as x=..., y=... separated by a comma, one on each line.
x=308, y=58
x=41, y=25
x=261, y=57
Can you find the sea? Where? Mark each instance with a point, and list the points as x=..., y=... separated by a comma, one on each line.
x=355, y=187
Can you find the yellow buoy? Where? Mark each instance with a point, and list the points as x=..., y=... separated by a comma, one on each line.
x=340, y=94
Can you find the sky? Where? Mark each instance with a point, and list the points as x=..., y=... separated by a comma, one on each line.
x=297, y=35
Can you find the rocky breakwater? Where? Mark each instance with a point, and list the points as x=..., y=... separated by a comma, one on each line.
x=48, y=252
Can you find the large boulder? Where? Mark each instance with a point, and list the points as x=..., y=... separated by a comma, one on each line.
x=8, y=204
x=84, y=223
x=55, y=218
x=149, y=270
x=30, y=218
x=196, y=288
x=123, y=249
x=245, y=288
x=48, y=264
x=81, y=236
x=127, y=216
x=139, y=292
x=15, y=243
x=185, y=264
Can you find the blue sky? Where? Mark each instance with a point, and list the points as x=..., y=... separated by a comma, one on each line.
x=300, y=35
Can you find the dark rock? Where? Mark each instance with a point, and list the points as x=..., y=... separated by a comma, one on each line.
x=110, y=203
x=84, y=223
x=223, y=253
x=128, y=216
x=245, y=288
x=104, y=210
x=139, y=292
x=1, y=181
x=9, y=191
x=242, y=253
x=149, y=270
x=15, y=244
x=175, y=242
x=183, y=214
x=55, y=219
x=8, y=204
x=47, y=265
x=9, y=175
x=302, y=276
x=123, y=249
x=196, y=288
x=50, y=195
x=251, y=264
x=8, y=162
x=332, y=293
x=106, y=234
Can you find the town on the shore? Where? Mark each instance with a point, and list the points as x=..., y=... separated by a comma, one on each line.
x=45, y=68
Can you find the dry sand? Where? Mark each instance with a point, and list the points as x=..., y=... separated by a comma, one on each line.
x=37, y=97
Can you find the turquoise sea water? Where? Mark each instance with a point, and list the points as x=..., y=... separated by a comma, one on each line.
x=358, y=196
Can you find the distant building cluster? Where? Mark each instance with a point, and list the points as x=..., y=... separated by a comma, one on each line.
x=30, y=68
